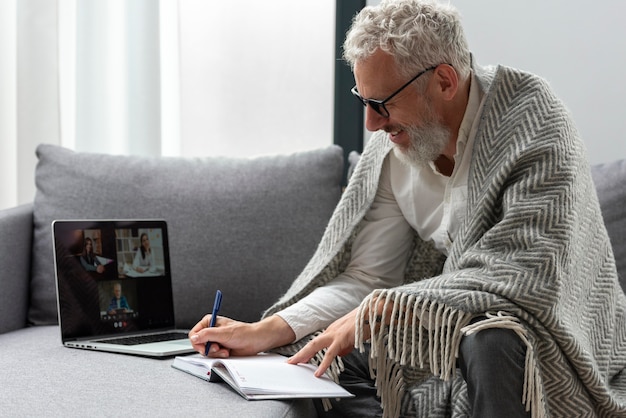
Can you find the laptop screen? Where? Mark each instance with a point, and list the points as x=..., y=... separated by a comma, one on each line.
x=113, y=277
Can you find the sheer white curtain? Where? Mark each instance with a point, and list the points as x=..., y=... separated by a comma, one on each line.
x=29, y=110
x=90, y=75
x=168, y=77
x=8, y=103
x=110, y=74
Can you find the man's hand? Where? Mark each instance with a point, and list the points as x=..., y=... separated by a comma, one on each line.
x=235, y=338
x=338, y=338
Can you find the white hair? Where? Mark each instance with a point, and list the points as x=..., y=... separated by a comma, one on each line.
x=417, y=33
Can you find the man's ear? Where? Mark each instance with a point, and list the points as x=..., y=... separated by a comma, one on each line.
x=447, y=81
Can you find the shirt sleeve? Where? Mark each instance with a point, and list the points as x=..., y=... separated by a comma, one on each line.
x=379, y=257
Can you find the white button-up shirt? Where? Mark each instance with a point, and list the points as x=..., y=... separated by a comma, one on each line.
x=408, y=198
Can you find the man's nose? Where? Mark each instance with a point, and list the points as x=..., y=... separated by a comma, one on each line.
x=374, y=121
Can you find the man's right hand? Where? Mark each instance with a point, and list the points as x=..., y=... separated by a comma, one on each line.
x=235, y=338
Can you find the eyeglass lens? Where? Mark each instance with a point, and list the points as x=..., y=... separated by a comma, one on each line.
x=379, y=105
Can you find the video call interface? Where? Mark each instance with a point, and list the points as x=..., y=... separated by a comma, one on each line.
x=116, y=276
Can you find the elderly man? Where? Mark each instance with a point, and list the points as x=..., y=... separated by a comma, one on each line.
x=467, y=260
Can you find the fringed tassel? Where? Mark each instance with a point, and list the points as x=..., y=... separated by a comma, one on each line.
x=391, y=388
x=409, y=331
x=532, y=396
x=335, y=369
x=327, y=404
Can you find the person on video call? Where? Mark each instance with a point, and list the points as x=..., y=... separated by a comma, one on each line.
x=144, y=258
x=118, y=304
x=467, y=261
x=88, y=259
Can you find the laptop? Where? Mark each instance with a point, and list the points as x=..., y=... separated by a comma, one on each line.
x=114, y=287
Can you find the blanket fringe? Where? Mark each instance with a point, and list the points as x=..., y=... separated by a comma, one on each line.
x=423, y=333
x=419, y=333
x=532, y=396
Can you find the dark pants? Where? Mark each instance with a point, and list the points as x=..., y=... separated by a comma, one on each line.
x=491, y=362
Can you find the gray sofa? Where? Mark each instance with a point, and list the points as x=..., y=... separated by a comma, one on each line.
x=244, y=226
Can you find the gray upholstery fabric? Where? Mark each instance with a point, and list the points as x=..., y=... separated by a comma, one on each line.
x=16, y=243
x=41, y=378
x=246, y=226
x=610, y=182
x=36, y=368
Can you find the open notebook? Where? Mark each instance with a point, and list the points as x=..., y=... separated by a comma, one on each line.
x=114, y=287
x=264, y=376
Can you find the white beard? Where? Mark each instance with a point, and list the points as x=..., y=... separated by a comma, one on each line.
x=427, y=142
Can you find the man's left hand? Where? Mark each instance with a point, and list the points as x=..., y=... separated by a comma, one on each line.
x=338, y=338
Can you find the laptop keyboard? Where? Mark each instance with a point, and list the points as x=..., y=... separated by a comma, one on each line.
x=145, y=339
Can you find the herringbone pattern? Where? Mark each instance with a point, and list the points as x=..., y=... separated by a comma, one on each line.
x=533, y=245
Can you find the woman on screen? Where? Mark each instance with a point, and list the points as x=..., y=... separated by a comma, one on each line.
x=144, y=258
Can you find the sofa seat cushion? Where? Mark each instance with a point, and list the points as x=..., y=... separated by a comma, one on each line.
x=41, y=378
x=245, y=226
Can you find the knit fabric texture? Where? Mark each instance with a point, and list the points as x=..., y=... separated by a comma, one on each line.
x=532, y=255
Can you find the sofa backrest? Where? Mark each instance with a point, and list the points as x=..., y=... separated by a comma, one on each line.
x=610, y=182
x=245, y=226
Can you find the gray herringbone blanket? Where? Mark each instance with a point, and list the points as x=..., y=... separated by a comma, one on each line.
x=533, y=253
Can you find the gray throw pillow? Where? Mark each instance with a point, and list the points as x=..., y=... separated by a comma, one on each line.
x=246, y=226
x=610, y=182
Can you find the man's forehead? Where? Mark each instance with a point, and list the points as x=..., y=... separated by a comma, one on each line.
x=376, y=74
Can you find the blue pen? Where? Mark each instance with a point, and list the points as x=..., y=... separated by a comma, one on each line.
x=216, y=308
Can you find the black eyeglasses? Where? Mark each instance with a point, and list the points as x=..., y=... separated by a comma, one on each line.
x=379, y=105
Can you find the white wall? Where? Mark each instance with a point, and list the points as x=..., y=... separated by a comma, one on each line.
x=256, y=78
x=577, y=46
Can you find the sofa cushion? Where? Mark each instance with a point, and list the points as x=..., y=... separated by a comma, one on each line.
x=610, y=182
x=41, y=378
x=246, y=226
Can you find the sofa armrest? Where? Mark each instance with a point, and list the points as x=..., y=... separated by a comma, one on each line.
x=16, y=230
